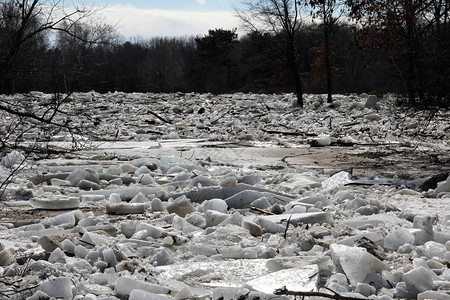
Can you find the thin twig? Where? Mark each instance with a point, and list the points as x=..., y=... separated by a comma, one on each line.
x=285, y=291
x=287, y=226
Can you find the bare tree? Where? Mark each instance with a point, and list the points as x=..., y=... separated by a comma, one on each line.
x=327, y=12
x=282, y=19
x=21, y=22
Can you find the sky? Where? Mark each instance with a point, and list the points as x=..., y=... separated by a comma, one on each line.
x=173, y=18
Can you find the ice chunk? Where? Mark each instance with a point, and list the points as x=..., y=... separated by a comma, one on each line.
x=169, y=162
x=59, y=203
x=184, y=293
x=7, y=257
x=434, y=249
x=214, y=218
x=88, y=185
x=444, y=187
x=125, y=285
x=80, y=174
x=142, y=170
x=184, y=226
x=228, y=181
x=420, y=278
x=296, y=279
x=196, y=219
x=337, y=180
x=128, y=228
x=268, y=226
x=243, y=199
x=146, y=179
x=202, y=181
x=250, y=179
x=301, y=218
x=153, y=231
x=161, y=258
x=126, y=193
x=261, y=203
x=371, y=102
x=157, y=204
x=12, y=159
x=433, y=295
x=230, y=293
x=94, y=238
x=365, y=289
x=215, y=204
x=253, y=228
x=52, y=241
x=405, y=291
x=67, y=218
x=397, y=238
x=125, y=208
x=321, y=141
x=140, y=198
x=60, y=287
x=80, y=251
x=109, y=257
x=180, y=206
x=138, y=294
x=224, y=192
x=356, y=262
x=237, y=252
x=425, y=232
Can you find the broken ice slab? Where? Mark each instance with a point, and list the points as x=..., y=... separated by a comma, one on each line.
x=397, y=238
x=127, y=193
x=356, y=262
x=362, y=223
x=337, y=180
x=375, y=236
x=295, y=279
x=69, y=218
x=224, y=192
x=47, y=178
x=444, y=187
x=94, y=239
x=170, y=162
x=297, y=219
x=243, y=199
x=52, y=241
x=125, y=285
x=138, y=294
x=39, y=233
x=214, y=273
x=56, y=203
x=60, y=287
x=298, y=182
x=125, y=208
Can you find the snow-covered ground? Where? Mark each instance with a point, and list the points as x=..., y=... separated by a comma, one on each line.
x=196, y=196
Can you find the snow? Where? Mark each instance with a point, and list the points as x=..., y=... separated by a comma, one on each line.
x=235, y=202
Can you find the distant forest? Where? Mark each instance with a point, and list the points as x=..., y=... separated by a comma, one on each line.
x=406, y=54
x=220, y=62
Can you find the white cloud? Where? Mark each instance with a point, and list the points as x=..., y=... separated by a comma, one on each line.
x=202, y=2
x=134, y=22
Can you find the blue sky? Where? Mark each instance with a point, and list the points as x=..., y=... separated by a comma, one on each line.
x=152, y=18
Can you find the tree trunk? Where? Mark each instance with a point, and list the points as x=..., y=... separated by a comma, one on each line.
x=293, y=66
x=328, y=63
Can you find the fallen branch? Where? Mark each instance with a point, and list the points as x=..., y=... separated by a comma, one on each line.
x=285, y=291
x=221, y=116
x=287, y=226
x=160, y=118
x=262, y=210
x=291, y=133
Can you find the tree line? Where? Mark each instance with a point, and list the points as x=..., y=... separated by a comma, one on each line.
x=321, y=46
